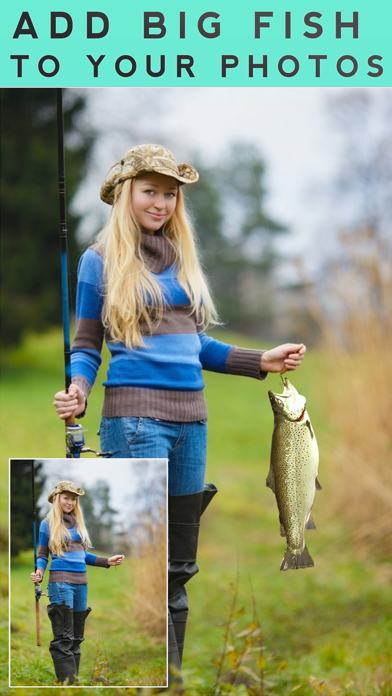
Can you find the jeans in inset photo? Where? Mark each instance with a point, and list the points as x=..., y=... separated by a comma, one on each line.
x=73, y=595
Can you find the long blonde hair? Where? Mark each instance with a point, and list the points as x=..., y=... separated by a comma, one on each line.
x=132, y=295
x=60, y=537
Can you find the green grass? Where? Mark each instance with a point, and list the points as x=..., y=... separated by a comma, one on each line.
x=327, y=629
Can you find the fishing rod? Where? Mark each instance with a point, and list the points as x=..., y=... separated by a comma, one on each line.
x=38, y=588
x=74, y=432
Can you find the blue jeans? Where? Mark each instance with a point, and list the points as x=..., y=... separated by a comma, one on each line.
x=183, y=444
x=73, y=595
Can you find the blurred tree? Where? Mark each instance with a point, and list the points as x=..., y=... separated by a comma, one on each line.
x=354, y=242
x=363, y=184
x=22, y=503
x=236, y=237
x=30, y=258
x=99, y=516
x=362, y=207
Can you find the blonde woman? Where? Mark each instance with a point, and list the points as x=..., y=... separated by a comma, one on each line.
x=141, y=287
x=64, y=534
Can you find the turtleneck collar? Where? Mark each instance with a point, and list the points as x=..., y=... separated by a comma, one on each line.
x=157, y=252
x=69, y=520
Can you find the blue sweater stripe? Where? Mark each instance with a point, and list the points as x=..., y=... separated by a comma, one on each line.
x=166, y=362
x=71, y=561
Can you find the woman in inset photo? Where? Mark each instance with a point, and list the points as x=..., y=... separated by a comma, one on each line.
x=64, y=536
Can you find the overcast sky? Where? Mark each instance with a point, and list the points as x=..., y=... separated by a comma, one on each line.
x=291, y=127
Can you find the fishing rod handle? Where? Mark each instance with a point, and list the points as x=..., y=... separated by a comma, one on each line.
x=37, y=623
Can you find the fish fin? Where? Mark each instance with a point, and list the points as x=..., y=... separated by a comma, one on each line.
x=293, y=562
x=270, y=482
x=308, y=423
x=318, y=485
x=310, y=522
x=282, y=530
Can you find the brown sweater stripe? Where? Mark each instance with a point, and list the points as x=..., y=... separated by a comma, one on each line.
x=43, y=551
x=246, y=362
x=101, y=562
x=84, y=385
x=89, y=335
x=176, y=320
x=68, y=576
x=154, y=403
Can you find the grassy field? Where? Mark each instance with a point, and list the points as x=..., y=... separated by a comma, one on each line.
x=324, y=630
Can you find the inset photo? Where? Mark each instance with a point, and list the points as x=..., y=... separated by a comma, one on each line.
x=88, y=572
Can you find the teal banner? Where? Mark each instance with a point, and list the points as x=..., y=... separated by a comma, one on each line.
x=205, y=43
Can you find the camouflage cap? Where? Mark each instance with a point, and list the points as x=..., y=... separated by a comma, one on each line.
x=145, y=158
x=62, y=487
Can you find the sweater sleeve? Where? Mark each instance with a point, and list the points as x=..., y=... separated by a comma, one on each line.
x=43, y=546
x=221, y=357
x=87, y=344
x=93, y=560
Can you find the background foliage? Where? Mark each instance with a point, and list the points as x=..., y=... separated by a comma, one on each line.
x=30, y=232
x=21, y=510
x=237, y=238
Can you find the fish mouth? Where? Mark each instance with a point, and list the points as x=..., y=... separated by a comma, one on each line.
x=288, y=390
x=290, y=404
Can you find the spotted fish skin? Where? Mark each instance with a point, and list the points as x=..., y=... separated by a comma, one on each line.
x=293, y=472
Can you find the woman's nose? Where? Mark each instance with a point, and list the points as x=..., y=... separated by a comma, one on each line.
x=160, y=202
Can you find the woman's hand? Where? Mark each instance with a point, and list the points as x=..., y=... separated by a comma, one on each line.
x=72, y=403
x=36, y=577
x=115, y=560
x=283, y=358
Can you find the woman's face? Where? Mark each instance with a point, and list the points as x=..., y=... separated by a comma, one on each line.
x=67, y=501
x=154, y=199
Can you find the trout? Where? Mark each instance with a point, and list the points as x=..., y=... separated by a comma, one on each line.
x=293, y=474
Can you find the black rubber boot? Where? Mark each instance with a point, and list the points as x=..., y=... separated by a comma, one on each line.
x=61, y=617
x=178, y=605
x=184, y=522
x=173, y=656
x=79, y=619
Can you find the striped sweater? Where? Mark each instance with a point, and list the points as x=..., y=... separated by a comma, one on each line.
x=71, y=567
x=162, y=379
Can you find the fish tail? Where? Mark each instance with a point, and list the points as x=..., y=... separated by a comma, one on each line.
x=292, y=561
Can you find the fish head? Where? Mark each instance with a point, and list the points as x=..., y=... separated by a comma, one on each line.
x=287, y=406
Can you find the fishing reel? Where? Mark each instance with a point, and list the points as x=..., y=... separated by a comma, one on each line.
x=75, y=442
x=39, y=593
